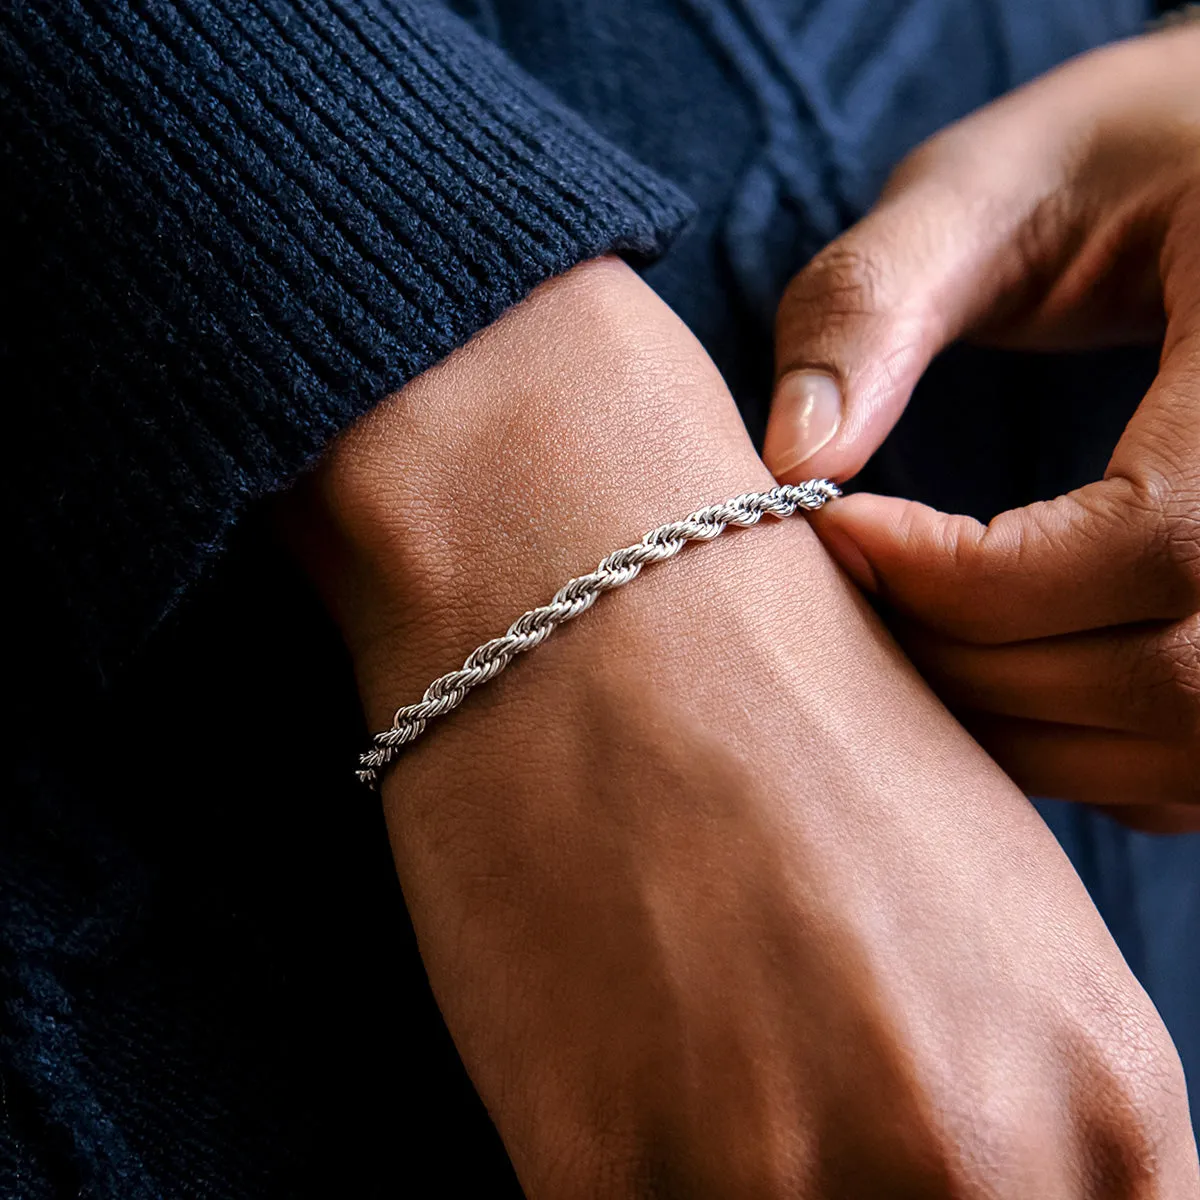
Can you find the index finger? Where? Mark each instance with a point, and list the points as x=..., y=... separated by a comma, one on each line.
x=1108, y=554
x=1121, y=550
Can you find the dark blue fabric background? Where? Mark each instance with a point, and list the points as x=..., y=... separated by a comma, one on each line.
x=783, y=120
x=210, y=975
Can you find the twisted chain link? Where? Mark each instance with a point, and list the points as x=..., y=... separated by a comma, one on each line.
x=530, y=629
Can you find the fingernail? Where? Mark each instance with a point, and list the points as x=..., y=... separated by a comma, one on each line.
x=806, y=414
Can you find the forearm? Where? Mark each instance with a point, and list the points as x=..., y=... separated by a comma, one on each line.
x=667, y=869
x=584, y=417
x=232, y=230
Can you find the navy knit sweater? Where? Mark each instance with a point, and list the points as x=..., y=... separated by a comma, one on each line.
x=228, y=228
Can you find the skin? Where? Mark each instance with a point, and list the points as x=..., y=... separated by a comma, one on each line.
x=715, y=896
x=1065, y=216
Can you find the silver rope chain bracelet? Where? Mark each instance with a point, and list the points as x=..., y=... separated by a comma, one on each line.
x=530, y=629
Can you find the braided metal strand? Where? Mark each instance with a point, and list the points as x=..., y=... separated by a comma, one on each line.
x=577, y=596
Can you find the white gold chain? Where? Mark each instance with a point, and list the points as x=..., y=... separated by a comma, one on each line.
x=534, y=627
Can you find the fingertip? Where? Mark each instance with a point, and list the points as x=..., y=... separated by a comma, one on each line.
x=881, y=522
x=849, y=556
x=868, y=519
x=881, y=540
x=852, y=529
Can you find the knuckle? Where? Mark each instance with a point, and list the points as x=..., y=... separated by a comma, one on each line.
x=1177, y=675
x=780, y=1154
x=1042, y=230
x=1179, y=545
x=842, y=281
x=1134, y=1104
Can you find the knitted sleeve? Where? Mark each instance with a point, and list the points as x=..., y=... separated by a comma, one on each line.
x=228, y=228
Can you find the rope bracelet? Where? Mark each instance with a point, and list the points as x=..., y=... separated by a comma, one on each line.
x=445, y=694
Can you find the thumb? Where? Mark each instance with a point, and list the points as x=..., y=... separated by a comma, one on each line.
x=984, y=227
x=1124, y=549
x=858, y=326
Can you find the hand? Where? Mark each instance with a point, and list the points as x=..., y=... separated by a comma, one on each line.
x=1066, y=634
x=715, y=897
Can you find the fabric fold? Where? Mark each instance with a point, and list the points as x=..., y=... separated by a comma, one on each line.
x=230, y=230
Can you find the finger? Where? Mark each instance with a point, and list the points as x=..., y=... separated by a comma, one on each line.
x=1090, y=766
x=1134, y=679
x=1124, y=549
x=1108, y=554
x=1160, y=819
x=1060, y=253
x=857, y=328
x=959, y=240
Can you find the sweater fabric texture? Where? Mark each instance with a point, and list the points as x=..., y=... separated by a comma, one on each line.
x=230, y=228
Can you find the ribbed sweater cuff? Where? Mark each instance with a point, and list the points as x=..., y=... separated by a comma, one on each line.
x=243, y=224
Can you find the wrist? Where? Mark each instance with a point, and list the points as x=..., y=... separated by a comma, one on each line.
x=579, y=420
